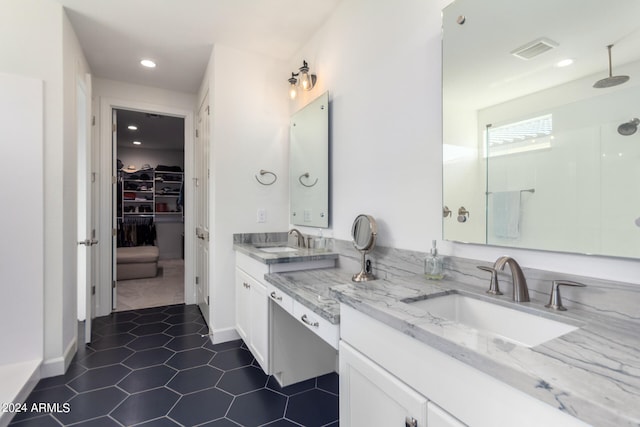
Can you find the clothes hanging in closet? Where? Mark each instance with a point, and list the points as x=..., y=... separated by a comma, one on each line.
x=136, y=231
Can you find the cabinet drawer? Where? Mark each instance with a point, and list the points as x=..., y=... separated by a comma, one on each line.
x=280, y=298
x=321, y=327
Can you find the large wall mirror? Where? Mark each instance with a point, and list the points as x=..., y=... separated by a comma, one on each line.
x=536, y=155
x=309, y=164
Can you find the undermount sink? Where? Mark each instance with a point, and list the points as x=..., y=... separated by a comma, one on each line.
x=513, y=325
x=278, y=249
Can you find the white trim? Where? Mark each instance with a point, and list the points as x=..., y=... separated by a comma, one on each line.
x=59, y=365
x=103, y=293
x=223, y=335
x=21, y=377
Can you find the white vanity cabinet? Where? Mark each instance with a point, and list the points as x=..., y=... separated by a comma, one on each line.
x=288, y=340
x=252, y=316
x=381, y=367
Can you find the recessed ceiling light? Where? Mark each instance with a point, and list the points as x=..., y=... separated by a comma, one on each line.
x=564, y=63
x=132, y=127
x=148, y=63
x=137, y=143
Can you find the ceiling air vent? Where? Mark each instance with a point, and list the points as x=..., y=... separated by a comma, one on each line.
x=534, y=48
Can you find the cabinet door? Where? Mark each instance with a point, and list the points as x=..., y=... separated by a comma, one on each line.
x=371, y=396
x=243, y=293
x=259, y=329
x=438, y=417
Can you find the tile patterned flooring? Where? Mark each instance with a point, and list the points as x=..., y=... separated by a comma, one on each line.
x=152, y=367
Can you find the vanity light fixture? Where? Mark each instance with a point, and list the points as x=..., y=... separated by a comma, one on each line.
x=148, y=63
x=302, y=79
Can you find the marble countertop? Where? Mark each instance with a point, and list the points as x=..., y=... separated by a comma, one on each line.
x=592, y=373
x=299, y=255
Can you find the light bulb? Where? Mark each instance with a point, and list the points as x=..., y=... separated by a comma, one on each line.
x=305, y=81
x=292, y=91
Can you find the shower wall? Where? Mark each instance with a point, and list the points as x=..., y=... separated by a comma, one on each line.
x=587, y=183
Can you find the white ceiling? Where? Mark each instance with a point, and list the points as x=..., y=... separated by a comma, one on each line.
x=179, y=34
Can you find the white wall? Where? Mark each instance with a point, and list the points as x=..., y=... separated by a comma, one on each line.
x=40, y=43
x=249, y=132
x=380, y=62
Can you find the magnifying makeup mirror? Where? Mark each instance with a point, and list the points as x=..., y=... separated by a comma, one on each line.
x=364, y=232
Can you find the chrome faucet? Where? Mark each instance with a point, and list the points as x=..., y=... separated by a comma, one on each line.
x=520, y=289
x=301, y=243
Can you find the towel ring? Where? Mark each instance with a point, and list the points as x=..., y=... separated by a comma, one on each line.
x=264, y=172
x=306, y=175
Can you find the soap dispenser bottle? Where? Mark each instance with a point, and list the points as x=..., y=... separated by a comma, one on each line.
x=433, y=264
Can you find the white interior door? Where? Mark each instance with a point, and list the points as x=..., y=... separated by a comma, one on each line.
x=201, y=182
x=85, y=191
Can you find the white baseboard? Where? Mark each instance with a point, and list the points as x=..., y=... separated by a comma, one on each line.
x=223, y=335
x=58, y=365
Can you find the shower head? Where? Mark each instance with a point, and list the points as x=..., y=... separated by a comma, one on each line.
x=629, y=128
x=611, y=80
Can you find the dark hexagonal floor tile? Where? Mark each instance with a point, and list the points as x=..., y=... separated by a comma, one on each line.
x=190, y=358
x=149, y=328
x=144, y=358
x=186, y=342
x=150, y=318
x=100, y=422
x=160, y=422
x=73, y=371
x=92, y=404
x=182, y=318
x=242, y=380
x=220, y=423
x=149, y=341
x=114, y=328
x=150, y=310
x=195, y=379
x=183, y=329
x=106, y=357
x=293, y=388
x=282, y=423
x=147, y=378
x=230, y=359
x=39, y=421
x=111, y=341
x=329, y=382
x=191, y=411
x=182, y=308
x=223, y=346
x=257, y=408
x=99, y=378
x=313, y=408
x=145, y=406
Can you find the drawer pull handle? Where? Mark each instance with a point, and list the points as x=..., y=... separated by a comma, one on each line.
x=308, y=322
x=273, y=295
x=246, y=285
x=410, y=422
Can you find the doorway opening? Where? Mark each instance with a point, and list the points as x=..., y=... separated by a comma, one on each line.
x=149, y=217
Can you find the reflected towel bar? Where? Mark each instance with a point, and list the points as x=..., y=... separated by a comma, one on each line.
x=528, y=190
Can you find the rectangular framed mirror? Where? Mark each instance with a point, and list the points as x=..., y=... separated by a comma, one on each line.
x=536, y=152
x=309, y=164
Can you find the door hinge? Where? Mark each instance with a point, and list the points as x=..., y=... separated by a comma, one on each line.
x=208, y=300
x=208, y=173
x=197, y=280
x=208, y=112
x=114, y=232
x=197, y=134
x=93, y=290
x=114, y=179
x=93, y=177
x=113, y=284
x=113, y=127
x=93, y=120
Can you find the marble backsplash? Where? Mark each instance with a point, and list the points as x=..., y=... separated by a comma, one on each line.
x=609, y=298
x=613, y=299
